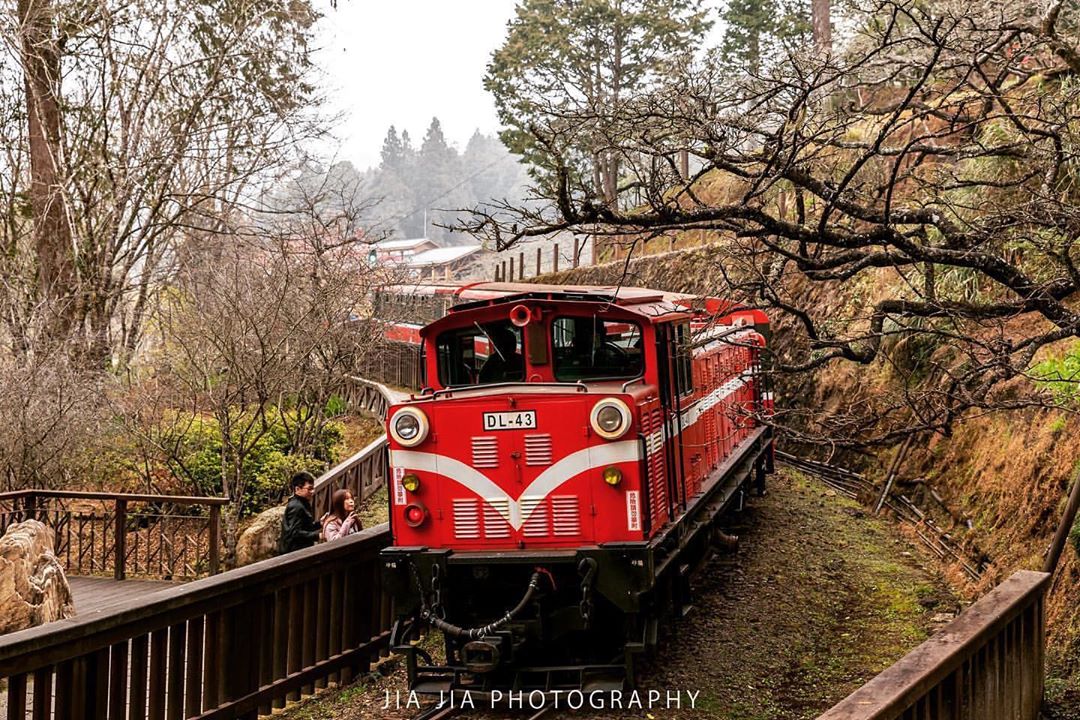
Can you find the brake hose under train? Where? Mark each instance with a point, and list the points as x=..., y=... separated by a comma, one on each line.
x=473, y=633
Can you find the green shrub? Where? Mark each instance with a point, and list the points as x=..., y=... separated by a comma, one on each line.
x=1074, y=536
x=1061, y=375
x=267, y=465
x=336, y=406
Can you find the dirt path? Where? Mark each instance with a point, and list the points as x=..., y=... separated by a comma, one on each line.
x=819, y=598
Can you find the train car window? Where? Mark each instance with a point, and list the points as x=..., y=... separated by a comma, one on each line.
x=480, y=355
x=684, y=375
x=590, y=348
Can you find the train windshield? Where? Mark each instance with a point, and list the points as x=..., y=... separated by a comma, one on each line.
x=590, y=348
x=481, y=354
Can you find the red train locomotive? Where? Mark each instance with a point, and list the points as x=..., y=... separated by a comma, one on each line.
x=562, y=474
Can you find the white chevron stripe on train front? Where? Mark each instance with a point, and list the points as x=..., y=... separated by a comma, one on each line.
x=548, y=481
x=556, y=475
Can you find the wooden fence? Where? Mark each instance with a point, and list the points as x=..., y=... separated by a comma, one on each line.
x=169, y=536
x=987, y=664
x=234, y=645
x=165, y=536
x=394, y=363
x=365, y=472
x=363, y=395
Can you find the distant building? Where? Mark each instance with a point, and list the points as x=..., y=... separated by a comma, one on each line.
x=400, y=250
x=421, y=258
x=447, y=262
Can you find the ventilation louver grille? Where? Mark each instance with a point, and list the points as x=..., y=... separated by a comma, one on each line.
x=565, y=516
x=485, y=452
x=495, y=525
x=535, y=512
x=466, y=520
x=537, y=450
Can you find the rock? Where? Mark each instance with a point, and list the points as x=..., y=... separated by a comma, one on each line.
x=260, y=540
x=33, y=587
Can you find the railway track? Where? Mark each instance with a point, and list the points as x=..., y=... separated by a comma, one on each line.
x=856, y=486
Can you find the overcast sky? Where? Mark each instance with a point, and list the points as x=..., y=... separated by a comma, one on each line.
x=400, y=62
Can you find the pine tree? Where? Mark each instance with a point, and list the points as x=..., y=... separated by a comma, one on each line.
x=439, y=184
x=491, y=171
x=758, y=30
x=565, y=54
x=393, y=151
x=747, y=21
x=822, y=24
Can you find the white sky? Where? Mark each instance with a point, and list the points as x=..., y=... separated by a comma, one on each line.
x=401, y=62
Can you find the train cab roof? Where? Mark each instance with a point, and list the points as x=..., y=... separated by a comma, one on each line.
x=649, y=305
x=478, y=294
x=652, y=305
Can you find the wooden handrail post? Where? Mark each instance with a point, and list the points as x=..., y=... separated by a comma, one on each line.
x=521, y=265
x=537, y=261
x=119, y=540
x=215, y=539
x=577, y=252
x=555, y=258
x=30, y=507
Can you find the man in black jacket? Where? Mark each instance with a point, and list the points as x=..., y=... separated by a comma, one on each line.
x=299, y=529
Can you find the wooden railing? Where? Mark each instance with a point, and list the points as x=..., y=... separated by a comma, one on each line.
x=987, y=664
x=368, y=396
x=165, y=536
x=234, y=645
x=394, y=363
x=175, y=537
x=365, y=472
x=362, y=474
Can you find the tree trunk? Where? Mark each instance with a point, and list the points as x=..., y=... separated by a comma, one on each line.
x=611, y=181
x=820, y=11
x=51, y=230
x=753, y=52
x=230, y=534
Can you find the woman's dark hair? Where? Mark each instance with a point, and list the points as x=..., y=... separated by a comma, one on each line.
x=337, y=504
x=301, y=479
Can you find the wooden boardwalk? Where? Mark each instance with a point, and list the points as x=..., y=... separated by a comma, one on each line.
x=96, y=594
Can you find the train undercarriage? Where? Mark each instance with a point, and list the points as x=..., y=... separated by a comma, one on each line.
x=559, y=620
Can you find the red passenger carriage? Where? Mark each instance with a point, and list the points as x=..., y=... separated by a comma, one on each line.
x=562, y=472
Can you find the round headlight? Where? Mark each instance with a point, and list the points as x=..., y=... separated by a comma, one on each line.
x=409, y=426
x=411, y=482
x=610, y=418
x=612, y=476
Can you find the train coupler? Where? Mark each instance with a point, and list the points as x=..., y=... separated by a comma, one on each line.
x=482, y=656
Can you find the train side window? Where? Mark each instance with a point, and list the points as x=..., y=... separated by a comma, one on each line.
x=684, y=374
